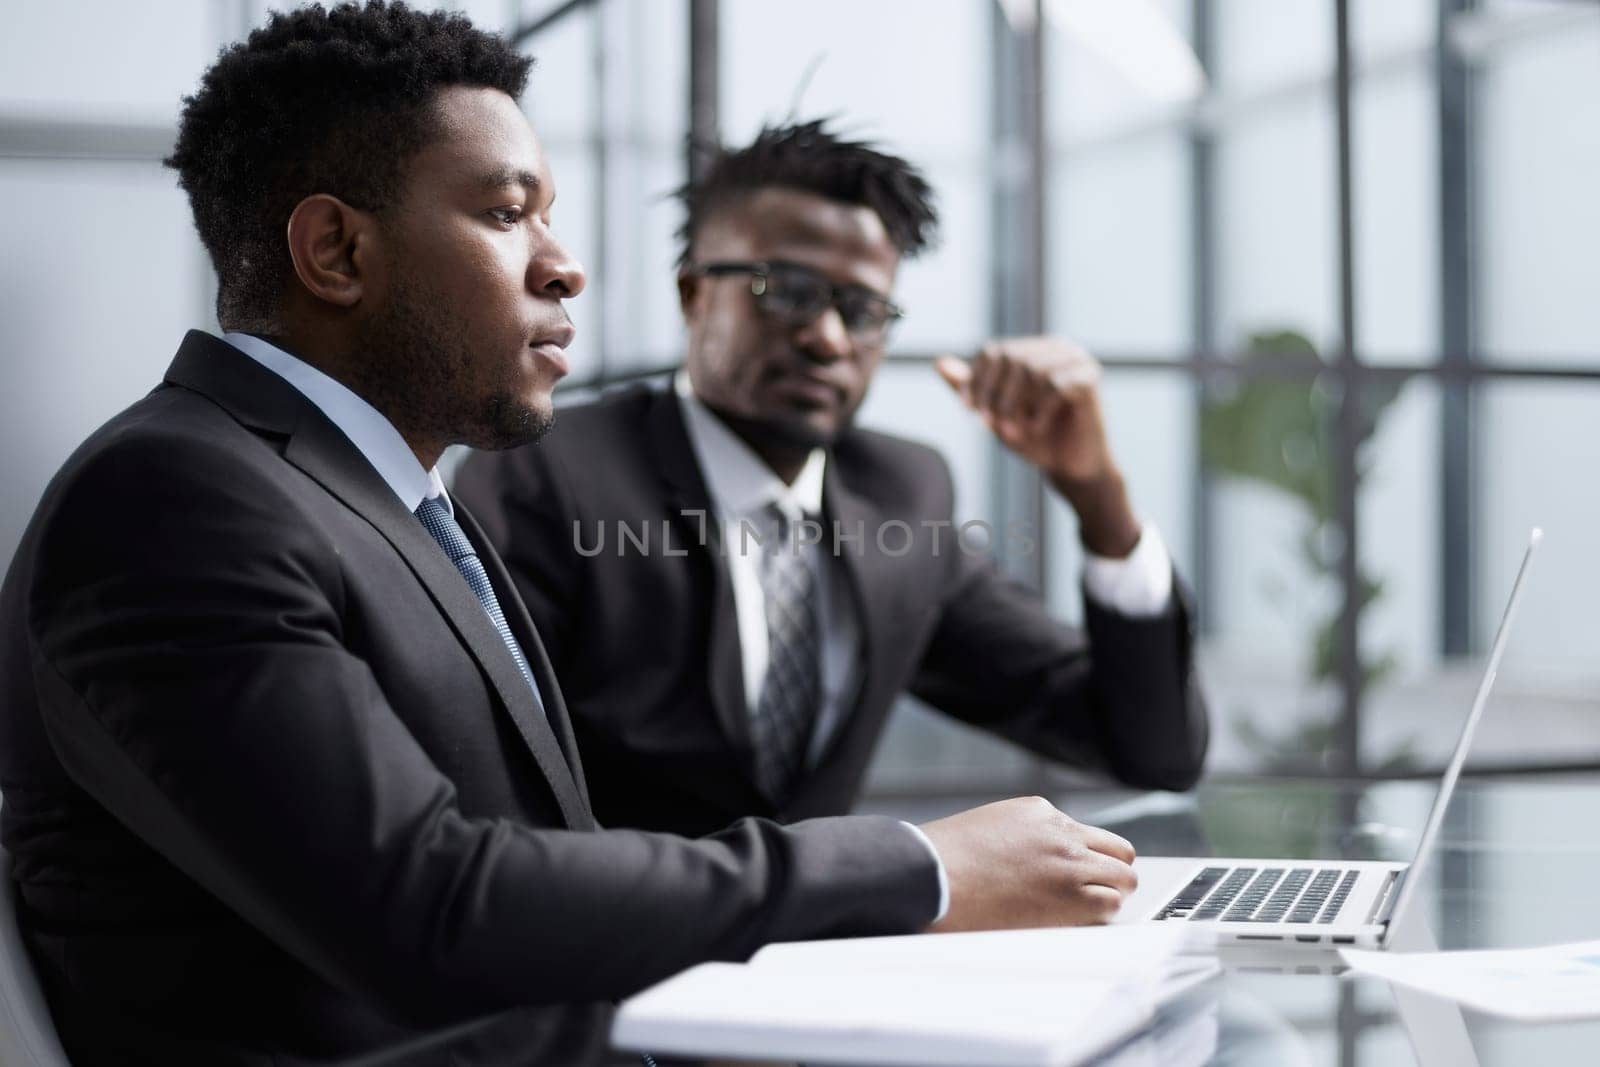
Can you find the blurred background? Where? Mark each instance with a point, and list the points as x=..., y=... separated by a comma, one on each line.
x=1338, y=257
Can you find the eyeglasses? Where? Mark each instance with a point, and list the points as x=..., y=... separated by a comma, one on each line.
x=796, y=295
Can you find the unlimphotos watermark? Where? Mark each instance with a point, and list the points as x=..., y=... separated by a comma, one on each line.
x=697, y=529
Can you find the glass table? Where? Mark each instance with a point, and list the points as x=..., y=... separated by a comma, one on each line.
x=1518, y=866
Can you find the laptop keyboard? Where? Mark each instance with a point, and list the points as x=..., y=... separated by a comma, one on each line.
x=1262, y=895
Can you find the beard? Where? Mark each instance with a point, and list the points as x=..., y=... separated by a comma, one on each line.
x=786, y=431
x=735, y=383
x=420, y=370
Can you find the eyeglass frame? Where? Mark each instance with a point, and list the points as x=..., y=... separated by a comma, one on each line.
x=760, y=270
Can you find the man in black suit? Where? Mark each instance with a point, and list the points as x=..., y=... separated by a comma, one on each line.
x=717, y=672
x=287, y=775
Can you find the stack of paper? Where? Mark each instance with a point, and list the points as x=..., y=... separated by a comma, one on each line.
x=1030, y=998
x=1185, y=1033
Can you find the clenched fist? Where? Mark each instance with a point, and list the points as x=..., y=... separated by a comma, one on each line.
x=1023, y=863
x=1041, y=397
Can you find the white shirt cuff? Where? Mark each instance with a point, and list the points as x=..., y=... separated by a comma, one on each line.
x=1139, y=586
x=944, y=879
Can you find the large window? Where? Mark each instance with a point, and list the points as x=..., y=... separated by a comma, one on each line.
x=1439, y=314
x=1345, y=280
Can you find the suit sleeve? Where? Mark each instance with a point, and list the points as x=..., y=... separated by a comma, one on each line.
x=194, y=679
x=1119, y=695
x=521, y=499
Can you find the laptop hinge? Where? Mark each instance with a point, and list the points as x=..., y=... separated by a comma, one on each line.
x=1383, y=908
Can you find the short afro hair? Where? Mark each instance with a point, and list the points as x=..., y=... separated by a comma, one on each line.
x=809, y=157
x=317, y=101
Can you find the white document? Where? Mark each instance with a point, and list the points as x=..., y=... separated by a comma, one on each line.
x=1033, y=998
x=734, y=1011
x=1558, y=982
x=1144, y=956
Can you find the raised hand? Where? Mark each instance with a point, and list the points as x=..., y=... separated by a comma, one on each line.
x=1041, y=397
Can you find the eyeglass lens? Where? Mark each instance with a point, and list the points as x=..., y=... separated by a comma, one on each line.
x=801, y=295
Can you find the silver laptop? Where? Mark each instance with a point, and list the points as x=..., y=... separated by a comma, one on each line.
x=1300, y=903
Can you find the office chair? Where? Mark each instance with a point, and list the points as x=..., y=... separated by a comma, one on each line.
x=27, y=1034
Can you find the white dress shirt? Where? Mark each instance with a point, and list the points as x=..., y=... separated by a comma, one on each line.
x=741, y=486
x=373, y=435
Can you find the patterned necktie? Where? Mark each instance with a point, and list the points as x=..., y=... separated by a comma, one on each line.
x=790, y=694
x=442, y=525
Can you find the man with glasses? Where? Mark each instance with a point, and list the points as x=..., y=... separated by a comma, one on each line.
x=735, y=604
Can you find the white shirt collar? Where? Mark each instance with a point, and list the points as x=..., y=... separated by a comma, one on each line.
x=740, y=482
x=373, y=435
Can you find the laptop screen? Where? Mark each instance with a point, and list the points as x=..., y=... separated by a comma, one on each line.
x=1452, y=773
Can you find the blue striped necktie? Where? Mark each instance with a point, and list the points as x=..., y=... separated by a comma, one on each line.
x=445, y=530
x=442, y=525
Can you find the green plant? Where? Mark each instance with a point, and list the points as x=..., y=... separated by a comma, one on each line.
x=1280, y=431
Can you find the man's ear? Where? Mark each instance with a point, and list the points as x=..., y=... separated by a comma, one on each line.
x=333, y=247
x=689, y=286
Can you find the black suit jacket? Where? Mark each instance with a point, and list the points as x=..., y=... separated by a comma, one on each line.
x=646, y=643
x=277, y=793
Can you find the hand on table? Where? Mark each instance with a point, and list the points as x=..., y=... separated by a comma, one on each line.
x=1023, y=863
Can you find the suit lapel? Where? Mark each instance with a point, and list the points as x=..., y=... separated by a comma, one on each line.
x=686, y=492
x=871, y=580
x=319, y=449
x=259, y=398
x=527, y=635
